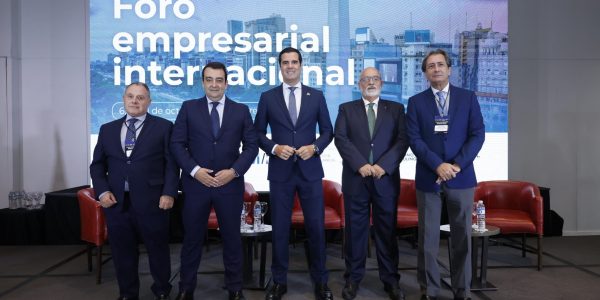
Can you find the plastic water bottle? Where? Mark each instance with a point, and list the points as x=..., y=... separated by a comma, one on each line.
x=480, y=216
x=257, y=217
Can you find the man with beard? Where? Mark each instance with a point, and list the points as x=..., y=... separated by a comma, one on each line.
x=371, y=139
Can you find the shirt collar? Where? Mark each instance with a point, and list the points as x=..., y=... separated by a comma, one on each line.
x=141, y=118
x=221, y=101
x=366, y=102
x=445, y=89
x=287, y=86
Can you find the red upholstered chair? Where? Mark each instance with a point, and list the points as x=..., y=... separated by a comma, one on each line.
x=93, y=227
x=515, y=207
x=334, y=210
x=408, y=214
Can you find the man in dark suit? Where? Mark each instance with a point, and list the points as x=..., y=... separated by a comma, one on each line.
x=446, y=131
x=293, y=111
x=205, y=142
x=136, y=179
x=370, y=136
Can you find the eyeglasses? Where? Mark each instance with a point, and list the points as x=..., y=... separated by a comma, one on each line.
x=370, y=78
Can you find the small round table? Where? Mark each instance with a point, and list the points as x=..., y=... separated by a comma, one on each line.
x=479, y=281
x=249, y=237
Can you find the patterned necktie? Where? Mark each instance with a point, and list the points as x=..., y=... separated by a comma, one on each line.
x=214, y=118
x=442, y=98
x=130, y=135
x=292, y=105
x=129, y=143
x=371, y=119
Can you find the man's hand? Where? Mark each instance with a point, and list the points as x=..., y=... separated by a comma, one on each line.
x=108, y=200
x=446, y=171
x=365, y=170
x=204, y=176
x=166, y=202
x=223, y=177
x=284, y=151
x=306, y=152
x=377, y=171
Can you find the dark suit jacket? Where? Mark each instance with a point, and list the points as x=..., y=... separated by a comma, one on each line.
x=150, y=170
x=193, y=144
x=354, y=143
x=460, y=145
x=272, y=111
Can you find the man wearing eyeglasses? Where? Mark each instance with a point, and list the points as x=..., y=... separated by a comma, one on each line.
x=371, y=139
x=446, y=131
x=206, y=140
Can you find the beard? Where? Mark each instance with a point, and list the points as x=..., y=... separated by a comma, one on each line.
x=372, y=92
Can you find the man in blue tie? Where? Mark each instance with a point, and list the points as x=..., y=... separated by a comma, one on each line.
x=135, y=178
x=446, y=131
x=206, y=144
x=293, y=111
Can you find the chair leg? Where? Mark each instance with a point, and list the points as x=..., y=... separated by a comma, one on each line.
x=89, y=256
x=99, y=263
x=539, y=252
x=523, y=244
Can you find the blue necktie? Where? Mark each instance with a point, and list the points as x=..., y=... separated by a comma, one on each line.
x=130, y=135
x=442, y=98
x=292, y=105
x=129, y=143
x=214, y=118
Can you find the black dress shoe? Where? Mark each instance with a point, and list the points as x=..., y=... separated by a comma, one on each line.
x=236, y=295
x=185, y=296
x=276, y=291
x=349, y=291
x=394, y=292
x=322, y=292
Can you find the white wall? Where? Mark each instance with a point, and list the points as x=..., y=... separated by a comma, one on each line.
x=554, y=74
x=554, y=105
x=48, y=79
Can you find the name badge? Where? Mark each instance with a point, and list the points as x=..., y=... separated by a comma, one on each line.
x=441, y=125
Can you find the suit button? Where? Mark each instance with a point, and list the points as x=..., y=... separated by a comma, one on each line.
x=128, y=162
x=294, y=131
x=214, y=143
x=371, y=145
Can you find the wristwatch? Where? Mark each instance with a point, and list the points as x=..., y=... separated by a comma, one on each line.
x=316, y=149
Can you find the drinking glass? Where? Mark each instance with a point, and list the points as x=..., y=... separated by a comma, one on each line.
x=264, y=207
x=12, y=200
x=247, y=206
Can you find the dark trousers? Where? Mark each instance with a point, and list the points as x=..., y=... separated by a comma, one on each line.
x=125, y=230
x=196, y=208
x=358, y=214
x=282, y=202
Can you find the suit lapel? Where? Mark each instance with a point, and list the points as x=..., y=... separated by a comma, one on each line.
x=305, y=101
x=281, y=101
x=362, y=119
x=227, y=113
x=382, y=111
x=454, y=103
x=147, y=127
x=116, y=134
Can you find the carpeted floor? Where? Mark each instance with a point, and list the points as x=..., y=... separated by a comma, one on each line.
x=571, y=271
